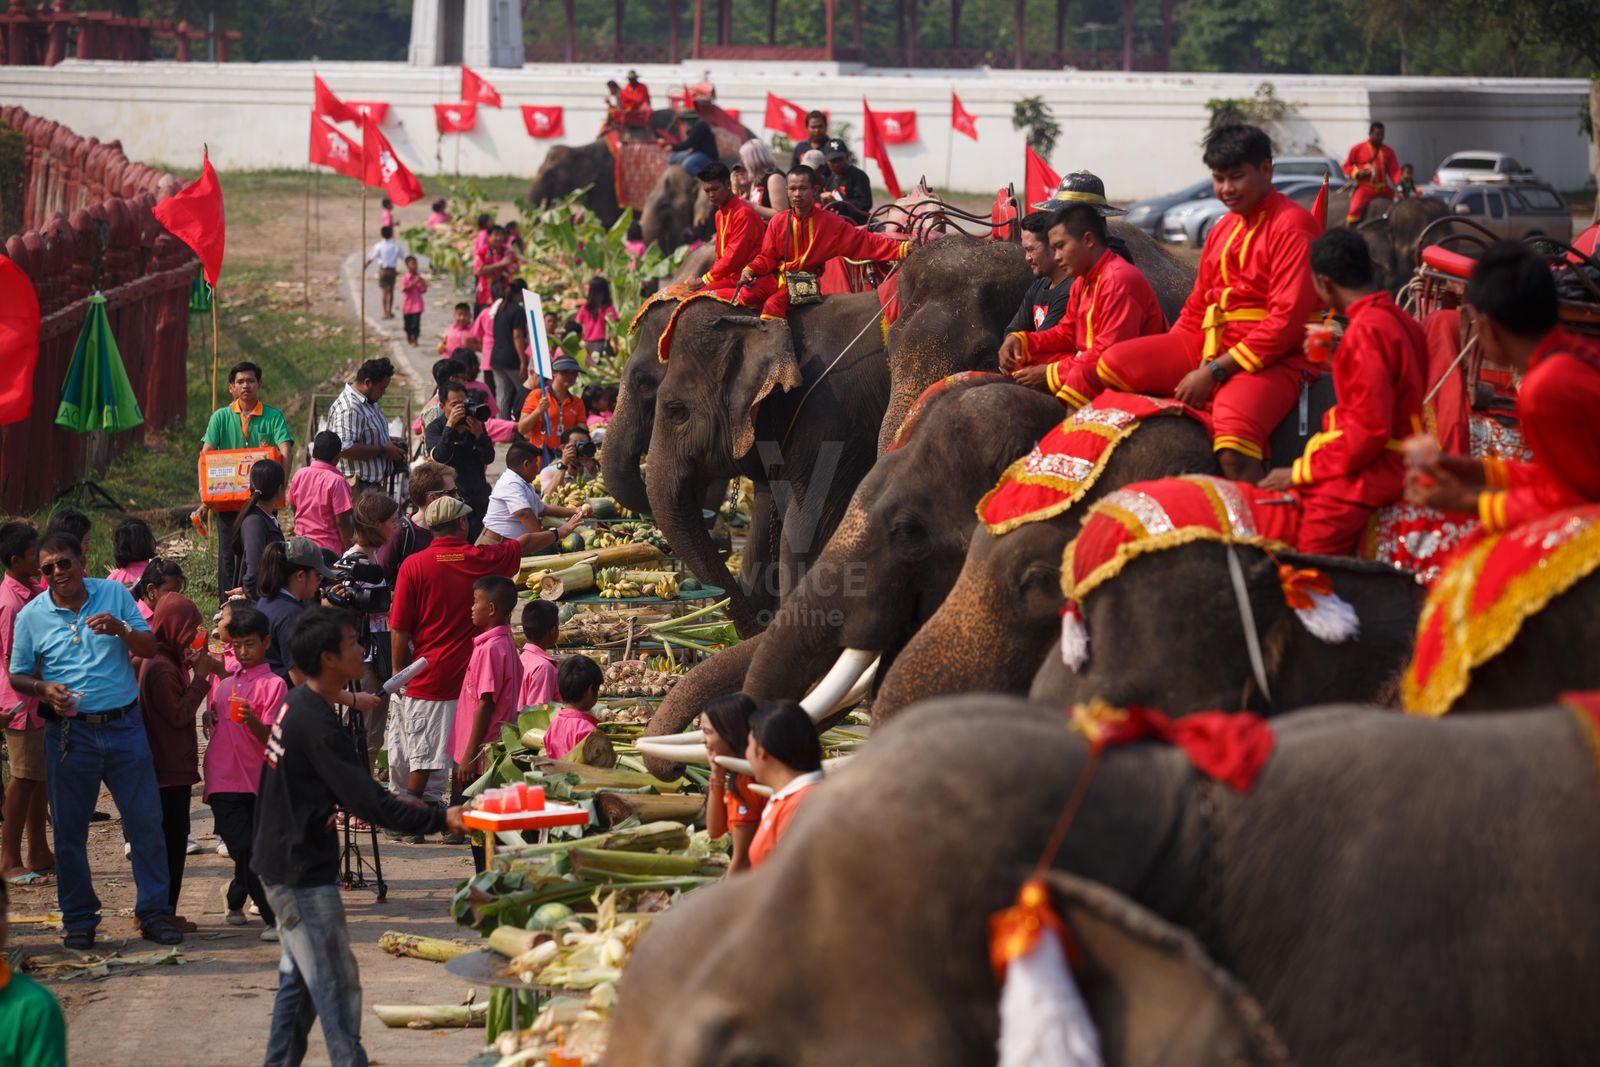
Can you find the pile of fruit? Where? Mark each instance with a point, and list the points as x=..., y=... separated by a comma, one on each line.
x=633, y=678
x=618, y=584
x=628, y=533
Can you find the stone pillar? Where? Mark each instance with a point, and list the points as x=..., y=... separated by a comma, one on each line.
x=424, y=50
x=489, y=34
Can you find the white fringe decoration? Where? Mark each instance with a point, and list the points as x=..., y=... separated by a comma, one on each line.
x=1074, y=637
x=1043, y=1020
x=1330, y=619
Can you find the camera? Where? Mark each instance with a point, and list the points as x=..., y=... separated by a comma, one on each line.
x=360, y=587
x=584, y=448
x=477, y=409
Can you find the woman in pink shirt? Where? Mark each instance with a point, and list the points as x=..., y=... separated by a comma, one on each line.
x=132, y=547
x=597, y=310
x=386, y=217
x=541, y=626
x=578, y=681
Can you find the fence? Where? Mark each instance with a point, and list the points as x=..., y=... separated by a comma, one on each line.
x=88, y=227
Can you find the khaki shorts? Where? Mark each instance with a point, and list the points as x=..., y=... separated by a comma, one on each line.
x=386, y=277
x=25, y=750
x=423, y=727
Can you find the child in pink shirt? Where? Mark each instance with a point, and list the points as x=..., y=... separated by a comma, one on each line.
x=133, y=546
x=412, y=286
x=541, y=625
x=320, y=497
x=459, y=335
x=438, y=217
x=489, y=690
x=578, y=679
x=242, y=708
x=387, y=216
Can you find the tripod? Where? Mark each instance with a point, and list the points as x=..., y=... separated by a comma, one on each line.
x=353, y=866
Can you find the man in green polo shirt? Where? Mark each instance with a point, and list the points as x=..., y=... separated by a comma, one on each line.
x=245, y=423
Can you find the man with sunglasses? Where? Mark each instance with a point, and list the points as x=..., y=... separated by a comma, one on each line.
x=70, y=648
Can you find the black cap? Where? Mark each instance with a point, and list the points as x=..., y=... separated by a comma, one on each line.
x=833, y=148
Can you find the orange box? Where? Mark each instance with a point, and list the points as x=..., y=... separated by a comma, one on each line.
x=225, y=475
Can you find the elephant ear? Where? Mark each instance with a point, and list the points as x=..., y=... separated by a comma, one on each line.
x=1154, y=995
x=763, y=359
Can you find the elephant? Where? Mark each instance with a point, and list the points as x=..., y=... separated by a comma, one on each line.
x=1368, y=893
x=1392, y=241
x=671, y=215
x=1137, y=656
x=567, y=168
x=992, y=630
x=957, y=294
x=793, y=406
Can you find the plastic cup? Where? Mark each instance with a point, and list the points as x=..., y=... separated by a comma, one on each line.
x=1320, y=343
x=492, y=802
x=533, y=797
x=199, y=641
x=237, y=707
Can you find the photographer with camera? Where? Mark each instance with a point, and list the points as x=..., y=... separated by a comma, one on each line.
x=578, y=460
x=457, y=438
x=516, y=508
x=293, y=574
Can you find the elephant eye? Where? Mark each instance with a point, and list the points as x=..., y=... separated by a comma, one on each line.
x=677, y=411
x=1039, y=576
x=908, y=534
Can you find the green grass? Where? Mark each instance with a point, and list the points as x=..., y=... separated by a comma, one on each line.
x=246, y=190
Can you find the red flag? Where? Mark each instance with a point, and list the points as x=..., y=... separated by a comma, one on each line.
x=330, y=148
x=788, y=119
x=375, y=108
x=19, y=342
x=1319, y=206
x=384, y=169
x=1039, y=181
x=719, y=117
x=962, y=120
x=194, y=216
x=455, y=118
x=543, y=122
x=325, y=103
x=897, y=127
x=475, y=90
x=872, y=147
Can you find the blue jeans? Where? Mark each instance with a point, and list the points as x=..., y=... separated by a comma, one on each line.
x=317, y=978
x=78, y=757
x=691, y=161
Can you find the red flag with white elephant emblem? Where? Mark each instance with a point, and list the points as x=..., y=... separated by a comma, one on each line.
x=476, y=90
x=383, y=169
x=897, y=127
x=455, y=118
x=330, y=148
x=787, y=118
x=543, y=122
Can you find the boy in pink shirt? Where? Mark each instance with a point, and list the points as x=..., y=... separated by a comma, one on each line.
x=459, y=334
x=242, y=708
x=541, y=625
x=412, y=286
x=489, y=690
x=320, y=497
x=578, y=680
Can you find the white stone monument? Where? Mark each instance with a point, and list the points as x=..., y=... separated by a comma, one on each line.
x=479, y=33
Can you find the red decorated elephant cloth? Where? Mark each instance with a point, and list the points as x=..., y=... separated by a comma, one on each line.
x=684, y=297
x=1413, y=538
x=1476, y=608
x=639, y=165
x=919, y=407
x=1229, y=747
x=1067, y=461
x=1154, y=516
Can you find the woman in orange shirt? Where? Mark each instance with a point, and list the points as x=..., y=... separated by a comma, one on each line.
x=732, y=807
x=784, y=752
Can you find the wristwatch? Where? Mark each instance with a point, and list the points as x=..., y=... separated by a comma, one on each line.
x=1218, y=372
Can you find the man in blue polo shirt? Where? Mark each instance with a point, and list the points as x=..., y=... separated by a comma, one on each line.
x=70, y=648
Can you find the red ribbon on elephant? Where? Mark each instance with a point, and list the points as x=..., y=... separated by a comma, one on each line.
x=1229, y=747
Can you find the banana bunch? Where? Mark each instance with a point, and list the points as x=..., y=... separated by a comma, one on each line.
x=609, y=539
x=621, y=589
x=665, y=587
x=662, y=665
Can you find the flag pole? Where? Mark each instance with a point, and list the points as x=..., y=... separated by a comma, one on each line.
x=949, y=151
x=308, y=236
x=316, y=182
x=214, y=347
x=362, y=251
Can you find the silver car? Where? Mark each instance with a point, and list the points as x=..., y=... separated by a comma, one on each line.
x=1188, y=224
x=1459, y=168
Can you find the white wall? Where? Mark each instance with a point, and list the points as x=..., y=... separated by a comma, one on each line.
x=1140, y=132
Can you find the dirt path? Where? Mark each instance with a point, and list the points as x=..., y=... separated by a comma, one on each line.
x=215, y=1008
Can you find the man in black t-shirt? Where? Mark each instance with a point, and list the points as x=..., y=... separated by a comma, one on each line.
x=1046, y=299
x=846, y=189
x=459, y=440
x=816, y=137
x=311, y=769
x=509, y=354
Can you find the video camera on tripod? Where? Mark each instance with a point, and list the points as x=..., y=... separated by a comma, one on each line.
x=359, y=587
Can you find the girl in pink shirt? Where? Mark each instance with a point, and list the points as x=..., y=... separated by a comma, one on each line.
x=438, y=218
x=387, y=217
x=459, y=335
x=133, y=546
x=597, y=310
x=578, y=680
x=412, y=286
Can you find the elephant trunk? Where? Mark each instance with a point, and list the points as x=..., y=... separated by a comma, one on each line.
x=714, y=677
x=626, y=438
x=675, y=504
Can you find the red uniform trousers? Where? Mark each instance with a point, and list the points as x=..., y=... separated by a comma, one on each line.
x=1329, y=527
x=1364, y=195
x=1083, y=379
x=767, y=296
x=1244, y=410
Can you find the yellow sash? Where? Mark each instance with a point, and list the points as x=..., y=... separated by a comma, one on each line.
x=1216, y=318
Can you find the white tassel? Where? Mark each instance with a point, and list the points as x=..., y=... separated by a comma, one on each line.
x=1074, y=637
x=1330, y=618
x=1043, y=1020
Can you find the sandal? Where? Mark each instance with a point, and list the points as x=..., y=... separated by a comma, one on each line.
x=29, y=879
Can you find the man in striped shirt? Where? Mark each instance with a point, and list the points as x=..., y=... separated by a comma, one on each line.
x=358, y=420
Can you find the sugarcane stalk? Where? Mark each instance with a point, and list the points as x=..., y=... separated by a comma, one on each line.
x=691, y=616
x=618, y=807
x=643, y=838
x=603, y=777
x=431, y=1016
x=396, y=943
x=511, y=941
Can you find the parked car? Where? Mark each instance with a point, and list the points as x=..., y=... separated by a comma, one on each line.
x=1514, y=210
x=1307, y=166
x=1188, y=224
x=1147, y=214
x=1460, y=168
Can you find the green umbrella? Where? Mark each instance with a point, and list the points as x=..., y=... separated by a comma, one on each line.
x=97, y=394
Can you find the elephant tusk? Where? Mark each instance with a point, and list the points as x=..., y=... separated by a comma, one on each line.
x=838, y=682
x=757, y=787
x=837, y=762
x=863, y=686
x=649, y=746
x=736, y=765
x=693, y=737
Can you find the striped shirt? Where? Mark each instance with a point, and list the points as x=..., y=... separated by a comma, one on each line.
x=359, y=421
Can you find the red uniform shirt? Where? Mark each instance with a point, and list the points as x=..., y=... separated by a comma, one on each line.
x=1385, y=167
x=433, y=603
x=1111, y=303
x=1558, y=406
x=805, y=244
x=1380, y=378
x=739, y=233
x=1253, y=295
x=634, y=97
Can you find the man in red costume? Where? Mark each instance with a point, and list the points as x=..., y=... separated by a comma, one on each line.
x=1110, y=302
x=1354, y=465
x=739, y=232
x=634, y=100
x=1513, y=300
x=1237, y=346
x=1372, y=165
x=804, y=239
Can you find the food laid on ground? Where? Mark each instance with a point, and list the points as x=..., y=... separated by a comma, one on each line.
x=633, y=678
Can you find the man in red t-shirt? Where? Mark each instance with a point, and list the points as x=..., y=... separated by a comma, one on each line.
x=431, y=618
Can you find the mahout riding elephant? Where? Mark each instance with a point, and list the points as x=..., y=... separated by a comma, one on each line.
x=892, y=559
x=957, y=294
x=793, y=406
x=1390, y=891
x=993, y=629
x=1139, y=653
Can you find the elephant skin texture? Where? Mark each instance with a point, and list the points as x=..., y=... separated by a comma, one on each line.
x=1381, y=905
x=671, y=211
x=568, y=168
x=1167, y=633
x=994, y=628
x=1553, y=653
